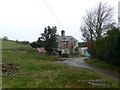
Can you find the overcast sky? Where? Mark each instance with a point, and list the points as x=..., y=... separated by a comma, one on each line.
x=25, y=19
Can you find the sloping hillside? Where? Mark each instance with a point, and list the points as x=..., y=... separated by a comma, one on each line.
x=8, y=44
x=35, y=70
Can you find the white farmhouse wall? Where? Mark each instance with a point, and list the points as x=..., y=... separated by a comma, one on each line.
x=82, y=50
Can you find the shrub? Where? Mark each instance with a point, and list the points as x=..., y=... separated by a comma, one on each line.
x=108, y=48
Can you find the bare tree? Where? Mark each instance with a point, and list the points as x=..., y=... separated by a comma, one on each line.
x=97, y=21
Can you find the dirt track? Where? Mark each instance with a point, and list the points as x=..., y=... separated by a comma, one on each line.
x=80, y=62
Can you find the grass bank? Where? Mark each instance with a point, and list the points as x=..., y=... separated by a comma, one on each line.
x=102, y=64
x=36, y=70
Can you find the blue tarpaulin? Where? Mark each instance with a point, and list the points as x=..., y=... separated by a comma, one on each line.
x=87, y=54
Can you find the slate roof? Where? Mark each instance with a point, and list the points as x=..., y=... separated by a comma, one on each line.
x=66, y=38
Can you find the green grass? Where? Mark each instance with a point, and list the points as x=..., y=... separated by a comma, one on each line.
x=102, y=64
x=39, y=71
x=8, y=44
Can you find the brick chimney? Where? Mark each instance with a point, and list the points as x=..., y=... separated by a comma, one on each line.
x=62, y=33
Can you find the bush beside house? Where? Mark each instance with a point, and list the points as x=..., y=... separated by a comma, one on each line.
x=108, y=48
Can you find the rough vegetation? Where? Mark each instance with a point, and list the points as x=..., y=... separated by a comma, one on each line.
x=38, y=71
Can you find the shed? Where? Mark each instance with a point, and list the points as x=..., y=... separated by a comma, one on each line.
x=42, y=50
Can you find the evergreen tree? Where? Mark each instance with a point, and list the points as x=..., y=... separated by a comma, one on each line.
x=48, y=40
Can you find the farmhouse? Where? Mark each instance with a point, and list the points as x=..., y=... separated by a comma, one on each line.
x=66, y=44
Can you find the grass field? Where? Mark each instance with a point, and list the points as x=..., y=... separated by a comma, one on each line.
x=38, y=71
